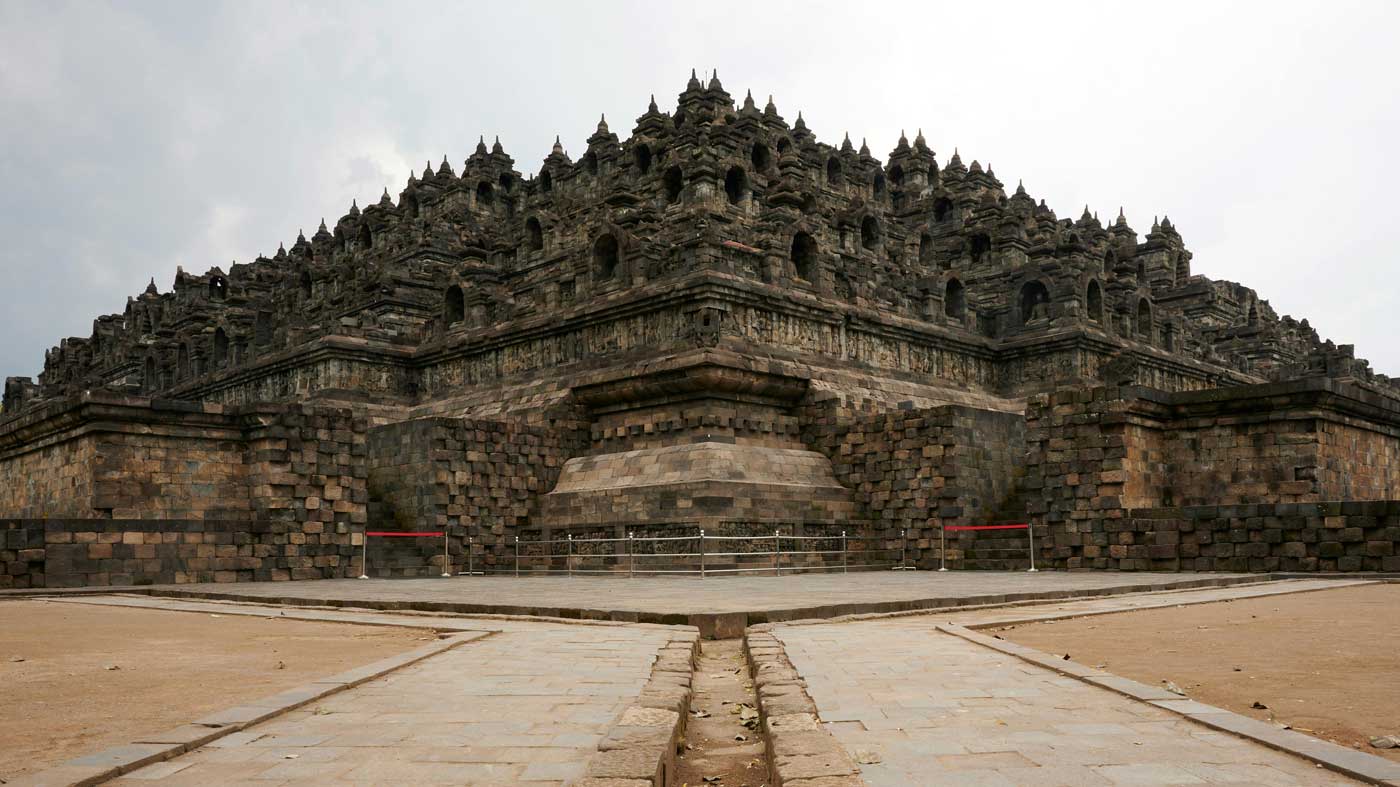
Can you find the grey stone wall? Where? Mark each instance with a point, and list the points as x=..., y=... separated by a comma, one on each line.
x=913, y=471
x=57, y=553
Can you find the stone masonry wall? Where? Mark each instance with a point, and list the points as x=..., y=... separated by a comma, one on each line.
x=1360, y=464
x=473, y=478
x=916, y=470
x=167, y=492
x=100, y=552
x=160, y=476
x=1303, y=537
x=1111, y=471
x=55, y=480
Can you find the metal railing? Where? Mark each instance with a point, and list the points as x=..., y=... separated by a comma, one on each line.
x=701, y=554
x=1029, y=548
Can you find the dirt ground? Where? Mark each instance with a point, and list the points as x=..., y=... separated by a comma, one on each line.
x=1326, y=663
x=79, y=678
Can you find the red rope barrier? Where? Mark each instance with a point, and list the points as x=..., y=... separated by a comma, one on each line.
x=986, y=527
x=391, y=534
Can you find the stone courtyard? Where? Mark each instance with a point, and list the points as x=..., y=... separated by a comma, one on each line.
x=837, y=697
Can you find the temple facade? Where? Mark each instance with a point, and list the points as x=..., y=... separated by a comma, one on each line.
x=718, y=321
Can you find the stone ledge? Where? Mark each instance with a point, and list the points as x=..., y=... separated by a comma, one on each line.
x=801, y=752
x=640, y=748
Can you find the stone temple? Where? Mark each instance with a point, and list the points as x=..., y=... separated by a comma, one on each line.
x=718, y=322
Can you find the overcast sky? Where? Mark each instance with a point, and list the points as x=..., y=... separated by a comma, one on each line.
x=138, y=136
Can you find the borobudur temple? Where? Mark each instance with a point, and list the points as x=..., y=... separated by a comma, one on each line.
x=718, y=322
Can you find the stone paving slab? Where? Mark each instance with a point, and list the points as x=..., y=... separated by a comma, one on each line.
x=719, y=606
x=914, y=705
x=990, y=618
x=528, y=706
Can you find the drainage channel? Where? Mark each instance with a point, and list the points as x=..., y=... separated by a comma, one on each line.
x=723, y=741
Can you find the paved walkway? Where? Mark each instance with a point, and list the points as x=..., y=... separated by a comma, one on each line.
x=526, y=706
x=917, y=706
x=676, y=596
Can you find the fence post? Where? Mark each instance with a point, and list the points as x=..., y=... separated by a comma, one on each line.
x=1030, y=537
x=517, y=556
x=569, y=559
x=631, y=562
x=943, y=548
x=777, y=553
x=446, y=561
x=843, y=551
x=471, y=559
x=364, y=555
x=702, y=553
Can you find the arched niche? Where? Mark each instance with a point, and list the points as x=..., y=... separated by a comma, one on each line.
x=804, y=255
x=606, y=257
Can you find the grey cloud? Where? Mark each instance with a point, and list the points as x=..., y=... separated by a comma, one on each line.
x=141, y=136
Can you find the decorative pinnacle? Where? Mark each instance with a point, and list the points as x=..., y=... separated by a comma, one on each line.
x=864, y=148
x=714, y=80
x=558, y=148
x=322, y=228
x=481, y=144
x=748, y=100
x=694, y=83
x=151, y=288
x=651, y=107
x=770, y=108
x=602, y=124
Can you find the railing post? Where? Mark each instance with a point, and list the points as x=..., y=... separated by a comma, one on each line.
x=517, y=556
x=843, y=552
x=569, y=559
x=364, y=555
x=702, y=553
x=1030, y=538
x=631, y=562
x=777, y=552
x=943, y=548
x=446, y=561
x=471, y=559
